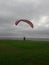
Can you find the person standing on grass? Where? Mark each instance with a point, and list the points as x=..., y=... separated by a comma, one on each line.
x=24, y=38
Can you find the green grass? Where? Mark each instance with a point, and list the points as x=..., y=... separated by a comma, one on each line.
x=20, y=52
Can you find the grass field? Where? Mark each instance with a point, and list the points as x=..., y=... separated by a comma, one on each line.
x=20, y=52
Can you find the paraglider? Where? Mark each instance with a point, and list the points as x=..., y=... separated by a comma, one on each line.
x=24, y=20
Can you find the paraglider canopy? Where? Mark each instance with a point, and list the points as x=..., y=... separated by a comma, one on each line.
x=24, y=20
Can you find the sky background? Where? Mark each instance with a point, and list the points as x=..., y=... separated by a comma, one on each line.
x=37, y=11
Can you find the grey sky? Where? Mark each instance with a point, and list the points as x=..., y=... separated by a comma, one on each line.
x=37, y=11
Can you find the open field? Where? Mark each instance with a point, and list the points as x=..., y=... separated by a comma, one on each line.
x=20, y=52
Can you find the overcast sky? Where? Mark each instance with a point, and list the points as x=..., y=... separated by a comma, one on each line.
x=37, y=11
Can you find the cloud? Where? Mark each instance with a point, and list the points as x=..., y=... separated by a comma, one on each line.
x=37, y=11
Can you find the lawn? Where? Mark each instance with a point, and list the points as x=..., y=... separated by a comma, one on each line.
x=20, y=52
